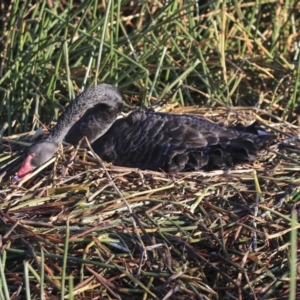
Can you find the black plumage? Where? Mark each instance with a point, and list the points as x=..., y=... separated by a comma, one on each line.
x=146, y=139
x=170, y=142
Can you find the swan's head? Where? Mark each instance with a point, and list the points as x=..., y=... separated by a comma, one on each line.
x=36, y=155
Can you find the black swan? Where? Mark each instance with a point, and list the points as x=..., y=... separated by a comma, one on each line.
x=145, y=139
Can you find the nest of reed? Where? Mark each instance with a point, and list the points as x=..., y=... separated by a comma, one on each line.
x=91, y=229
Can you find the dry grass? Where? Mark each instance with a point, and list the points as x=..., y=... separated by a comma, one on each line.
x=98, y=231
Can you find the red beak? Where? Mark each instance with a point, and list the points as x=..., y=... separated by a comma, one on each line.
x=26, y=167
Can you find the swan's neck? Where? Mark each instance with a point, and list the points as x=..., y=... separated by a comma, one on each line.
x=99, y=94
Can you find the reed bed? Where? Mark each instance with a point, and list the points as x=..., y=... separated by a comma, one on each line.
x=84, y=229
x=80, y=228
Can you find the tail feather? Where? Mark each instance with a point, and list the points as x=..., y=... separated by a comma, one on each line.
x=239, y=150
x=257, y=134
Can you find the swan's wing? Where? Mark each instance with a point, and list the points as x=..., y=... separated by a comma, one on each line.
x=154, y=141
